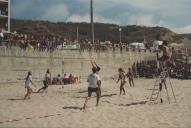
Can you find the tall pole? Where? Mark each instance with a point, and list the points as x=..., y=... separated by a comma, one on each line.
x=77, y=36
x=9, y=14
x=92, y=21
x=120, y=35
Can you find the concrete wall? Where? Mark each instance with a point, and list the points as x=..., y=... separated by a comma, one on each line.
x=14, y=63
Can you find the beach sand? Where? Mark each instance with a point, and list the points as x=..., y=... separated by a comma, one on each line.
x=60, y=107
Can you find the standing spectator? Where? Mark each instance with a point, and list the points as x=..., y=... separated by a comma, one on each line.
x=123, y=81
x=130, y=76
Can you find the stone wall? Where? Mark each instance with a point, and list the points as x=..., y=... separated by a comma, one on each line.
x=15, y=63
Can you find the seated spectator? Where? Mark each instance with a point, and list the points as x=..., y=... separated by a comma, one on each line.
x=71, y=79
x=59, y=80
x=65, y=79
x=54, y=81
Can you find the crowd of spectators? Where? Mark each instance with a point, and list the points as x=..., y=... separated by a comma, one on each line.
x=181, y=71
x=148, y=69
x=104, y=46
x=59, y=80
x=32, y=42
x=51, y=42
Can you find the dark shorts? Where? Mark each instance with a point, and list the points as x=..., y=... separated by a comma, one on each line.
x=164, y=58
x=92, y=89
x=123, y=83
x=29, y=89
x=130, y=78
x=45, y=82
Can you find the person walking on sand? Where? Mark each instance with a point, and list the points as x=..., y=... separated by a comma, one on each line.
x=28, y=84
x=93, y=85
x=130, y=76
x=46, y=81
x=123, y=80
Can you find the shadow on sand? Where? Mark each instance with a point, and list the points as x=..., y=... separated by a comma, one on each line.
x=16, y=99
x=38, y=92
x=150, y=89
x=134, y=103
x=126, y=105
x=85, y=91
x=109, y=95
x=73, y=107
x=106, y=95
x=83, y=97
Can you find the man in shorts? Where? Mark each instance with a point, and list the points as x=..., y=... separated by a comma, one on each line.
x=93, y=85
x=94, y=65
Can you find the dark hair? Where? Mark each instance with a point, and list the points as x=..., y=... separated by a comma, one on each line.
x=98, y=68
x=29, y=73
x=120, y=70
x=47, y=71
x=94, y=70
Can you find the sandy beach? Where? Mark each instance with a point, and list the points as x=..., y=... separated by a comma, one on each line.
x=105, y=41
x=60, y=107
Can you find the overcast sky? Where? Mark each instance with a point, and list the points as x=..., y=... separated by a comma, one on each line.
x=173, y=14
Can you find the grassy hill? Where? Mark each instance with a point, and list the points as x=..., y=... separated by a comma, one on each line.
x=188, y=36
x=102, y=31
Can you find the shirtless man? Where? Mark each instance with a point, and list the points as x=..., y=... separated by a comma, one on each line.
x=166, y=54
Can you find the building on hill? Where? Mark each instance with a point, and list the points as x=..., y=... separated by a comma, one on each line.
x=5, y=15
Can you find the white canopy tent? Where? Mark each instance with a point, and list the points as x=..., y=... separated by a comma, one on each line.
x=137, y=45
x=156, y=43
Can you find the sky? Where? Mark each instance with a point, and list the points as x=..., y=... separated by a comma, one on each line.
x=173, y=14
